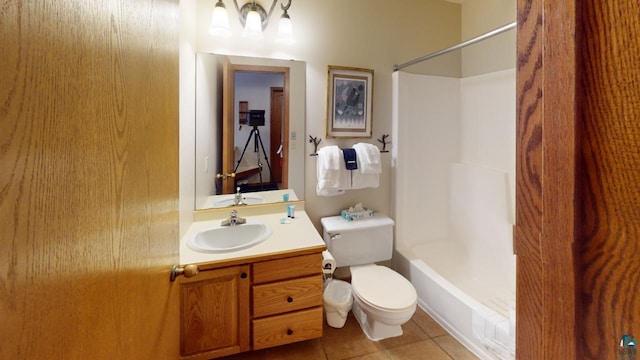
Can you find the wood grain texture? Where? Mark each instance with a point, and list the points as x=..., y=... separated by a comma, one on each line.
x=88, y=179
x=608, y=183
x=561, y=112
x=588, y=270
x=528, y=228
x=545, y=179
x=288, y=328
x=214, y=317
x=288, y=268
x=285, y=296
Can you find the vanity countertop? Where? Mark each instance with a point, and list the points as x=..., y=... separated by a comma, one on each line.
x=298, y=234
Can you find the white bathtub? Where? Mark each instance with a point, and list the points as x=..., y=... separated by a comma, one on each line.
x=475, y=305
x=465, y=279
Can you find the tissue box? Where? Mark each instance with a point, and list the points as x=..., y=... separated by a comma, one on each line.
x=356, y=215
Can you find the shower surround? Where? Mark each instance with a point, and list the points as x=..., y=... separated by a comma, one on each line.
x=454, y=168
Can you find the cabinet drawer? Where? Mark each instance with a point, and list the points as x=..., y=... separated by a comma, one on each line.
x=288, y=268
x=288, y=328
x=285, y=296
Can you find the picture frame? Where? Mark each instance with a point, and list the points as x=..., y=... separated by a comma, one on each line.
x=349, y=102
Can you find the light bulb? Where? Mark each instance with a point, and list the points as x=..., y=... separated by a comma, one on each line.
x=285, y=30
x=253, y=26
x=219, y=21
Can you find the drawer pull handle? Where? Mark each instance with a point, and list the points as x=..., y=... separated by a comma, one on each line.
x=243, y=275
x=289, y=332
x=289, y=299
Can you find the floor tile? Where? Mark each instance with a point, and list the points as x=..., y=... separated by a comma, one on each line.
x=373, y=356
x=426, y=349
x=454, y=348
x=307, y=350
x=411, y=333
x=250, y=355
x=347, y=342
x=426, y=323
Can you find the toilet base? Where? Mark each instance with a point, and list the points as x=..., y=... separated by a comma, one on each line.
x=374, y=330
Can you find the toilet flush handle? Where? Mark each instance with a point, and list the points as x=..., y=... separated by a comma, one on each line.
x=336, y=236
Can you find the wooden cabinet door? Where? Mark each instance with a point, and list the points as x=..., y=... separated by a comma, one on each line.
x=214, y=313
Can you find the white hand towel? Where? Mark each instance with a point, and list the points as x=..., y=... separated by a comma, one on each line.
x=329, y=192
x=333, y=177
x=361, y=181
x=369, y=168
x=368, y=156
x=331, y=157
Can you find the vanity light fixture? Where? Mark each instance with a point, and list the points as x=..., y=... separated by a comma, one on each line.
x=254, y=20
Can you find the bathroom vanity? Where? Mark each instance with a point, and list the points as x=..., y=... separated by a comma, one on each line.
x=262, y=296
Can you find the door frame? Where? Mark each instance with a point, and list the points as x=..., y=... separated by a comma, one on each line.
x=228, y=117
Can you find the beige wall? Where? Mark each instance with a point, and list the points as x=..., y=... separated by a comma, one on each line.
x=497, y=53
x=357, y=33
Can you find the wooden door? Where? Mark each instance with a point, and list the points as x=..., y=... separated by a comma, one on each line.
x=277, y=134
x=545, y=172
x=88, y=179
x=577, y=168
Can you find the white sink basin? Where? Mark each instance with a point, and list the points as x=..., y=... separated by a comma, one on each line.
x=228, y=200
x=229, y=238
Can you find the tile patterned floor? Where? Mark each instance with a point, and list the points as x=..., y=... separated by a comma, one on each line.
x=423, y=339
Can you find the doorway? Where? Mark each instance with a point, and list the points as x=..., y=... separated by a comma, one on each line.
x=256, y=155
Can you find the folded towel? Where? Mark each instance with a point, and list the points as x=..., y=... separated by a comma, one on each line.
x=368, y=156
x=350, y=161
x=330, y=157
x=331, y=177
x=329, y=192
x=361, y=181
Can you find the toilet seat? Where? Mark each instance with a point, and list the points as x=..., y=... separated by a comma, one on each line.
x=382, y=288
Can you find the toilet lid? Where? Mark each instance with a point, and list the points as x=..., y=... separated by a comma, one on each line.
x=382, y=287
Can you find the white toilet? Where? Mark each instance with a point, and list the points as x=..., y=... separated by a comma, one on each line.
x=383, y=299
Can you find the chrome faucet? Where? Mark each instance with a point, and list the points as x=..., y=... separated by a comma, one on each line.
x=237, y=199
x=233, y=220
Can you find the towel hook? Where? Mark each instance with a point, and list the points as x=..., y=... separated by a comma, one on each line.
x=384, y=143
x=315, y=141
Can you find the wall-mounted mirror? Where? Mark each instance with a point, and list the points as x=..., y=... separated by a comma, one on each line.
x=250, y=126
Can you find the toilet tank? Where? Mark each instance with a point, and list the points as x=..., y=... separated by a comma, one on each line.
x=358, y=242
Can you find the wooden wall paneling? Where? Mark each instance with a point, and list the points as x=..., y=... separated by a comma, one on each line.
x=88, y=179
x=609, y=206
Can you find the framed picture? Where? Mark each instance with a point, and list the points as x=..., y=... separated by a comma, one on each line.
x=349, y=102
